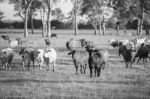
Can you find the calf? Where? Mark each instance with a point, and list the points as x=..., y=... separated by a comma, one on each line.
x=72, y=43
x=80, y=58
x=6, y=56
x=27, y=56
x=53, y=35
x=20, y=42
x=14, y=43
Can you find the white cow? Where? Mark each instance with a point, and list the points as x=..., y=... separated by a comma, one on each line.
x=6, y=56
x=47, y=55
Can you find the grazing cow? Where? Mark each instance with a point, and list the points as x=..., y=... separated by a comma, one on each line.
x=31, y=44
x=117, y=43
x=96, y=61
x=47, y=56
x=47, y=42
x=27, y=56
x=72, y=43
x=6, y=56
x=83, y=42
x=5, y=37
x=20, y=42
x=53, y=35
x=124, y=42
x=80, y=58
x=138, y=41
x=13, y=43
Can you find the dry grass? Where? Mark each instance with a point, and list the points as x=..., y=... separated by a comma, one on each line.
x=115, y=82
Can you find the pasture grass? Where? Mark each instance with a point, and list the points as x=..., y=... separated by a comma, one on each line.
x=115, y=82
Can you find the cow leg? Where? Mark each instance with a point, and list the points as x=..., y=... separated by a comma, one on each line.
x=76, y=69
x=103, y=65
x=126, y=64
x=81, y=66
x=95, y=70
x=138, y=60
x=85, y=68
x=33, y=64
x=76, y=66
x=6, y=66
x=28, y=65
x=90, y=72
x=99, y=71
x=23, y=65
x=54, y=66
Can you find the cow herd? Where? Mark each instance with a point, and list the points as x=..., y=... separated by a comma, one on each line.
x=83, y=52
x=132, y=49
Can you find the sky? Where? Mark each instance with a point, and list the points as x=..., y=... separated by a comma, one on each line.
x=9, y=10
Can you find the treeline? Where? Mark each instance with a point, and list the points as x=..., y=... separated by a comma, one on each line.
x=55, y=24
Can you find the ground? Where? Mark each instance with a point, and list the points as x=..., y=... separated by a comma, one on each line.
x=115, y=81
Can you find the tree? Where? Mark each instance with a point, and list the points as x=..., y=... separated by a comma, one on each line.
x=33, y=8
x=46, y=12
x=74, y=14
x=132, y=9
x=23, y=6
x=58, y=14
x=1, y=15
x=100, y=10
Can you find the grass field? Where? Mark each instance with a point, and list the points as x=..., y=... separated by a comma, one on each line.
x=115, y=82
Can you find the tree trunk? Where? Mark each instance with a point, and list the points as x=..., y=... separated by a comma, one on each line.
x=125, y=29
x=117, y=29
x=26, y=24
x=44, y=29
x=76, y=21
x=147, y=28
x=141, y=22
x=32, y=25
x=138, y=27
x=49, y=23
x=95, y=29
x=100, y=28
x=103, y=27
x=76, y=26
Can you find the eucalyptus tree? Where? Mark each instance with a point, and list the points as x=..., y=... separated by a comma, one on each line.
x=100, y=11
x=1, y=15
x=131, y=9
x=32, y=12
x=123, y=12
x=74, y=14
x=46, y=12
x=23, y=6
x=58, y=14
